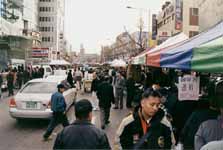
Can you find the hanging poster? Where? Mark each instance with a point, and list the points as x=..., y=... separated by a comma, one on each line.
x=188, y=88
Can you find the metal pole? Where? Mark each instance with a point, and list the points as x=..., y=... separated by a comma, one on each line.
x=149, y=13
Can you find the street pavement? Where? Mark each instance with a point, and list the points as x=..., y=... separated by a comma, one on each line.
x=27, y=135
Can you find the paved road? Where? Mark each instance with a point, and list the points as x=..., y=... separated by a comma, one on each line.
x=28, y=133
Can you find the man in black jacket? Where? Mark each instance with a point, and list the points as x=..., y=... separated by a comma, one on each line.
x=82, y=134
x=105, y=95
x=145, y=128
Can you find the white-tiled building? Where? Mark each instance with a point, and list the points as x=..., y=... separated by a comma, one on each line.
x=51, y=25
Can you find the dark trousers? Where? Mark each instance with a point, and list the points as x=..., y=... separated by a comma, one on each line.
x=57, y=118
x=130, y=95
x=10, y=89
x=119, y=98
x=20, y=83
x=104, y=115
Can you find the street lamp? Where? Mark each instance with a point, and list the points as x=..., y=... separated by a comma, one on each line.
x=143, y=9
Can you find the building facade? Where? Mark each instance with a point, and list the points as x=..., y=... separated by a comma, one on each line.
x=51, y=25
x=18, y=29
x=178, y=16
x=125, y=46
x=208, y=9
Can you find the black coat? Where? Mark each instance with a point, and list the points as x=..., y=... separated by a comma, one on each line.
x=94, y=85
x=130, y=84
x=193, y=123
x=81, y=135
x=70, y=79
x=131, y=132
x=105, y=95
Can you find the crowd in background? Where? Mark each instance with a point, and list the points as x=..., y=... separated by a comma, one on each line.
x=193, y=123
x=15, y=77
x=188, y=118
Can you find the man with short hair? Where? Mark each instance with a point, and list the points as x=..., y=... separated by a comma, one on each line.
x=145, y=128
x=105, y=95
x=82, y=134
x=58, y=106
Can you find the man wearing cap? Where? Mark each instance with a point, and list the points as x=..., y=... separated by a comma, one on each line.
x=145, y=128
x=82, y=134
x=58, y=106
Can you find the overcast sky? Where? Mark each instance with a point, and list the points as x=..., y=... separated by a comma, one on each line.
x=98, y=22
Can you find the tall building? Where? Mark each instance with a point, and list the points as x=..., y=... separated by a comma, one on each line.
x=210, y=13
x=178, y=16
x=18, y=29
x=51, y=25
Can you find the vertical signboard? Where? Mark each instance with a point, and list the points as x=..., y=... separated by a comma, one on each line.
x=188, y=88
x=178, y=17
x=154, y=27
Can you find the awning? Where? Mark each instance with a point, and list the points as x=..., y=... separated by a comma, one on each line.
x=59, y=62
x=208, y=57
x=118, y=63
x=200, y=53
x=141, y=58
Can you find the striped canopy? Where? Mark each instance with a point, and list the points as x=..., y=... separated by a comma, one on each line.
x=203, y=53
x=173, y=41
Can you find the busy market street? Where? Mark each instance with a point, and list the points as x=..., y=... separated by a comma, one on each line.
x=27, y=134
x=111, y=74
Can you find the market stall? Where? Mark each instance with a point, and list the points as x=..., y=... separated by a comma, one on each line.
x=200, y=53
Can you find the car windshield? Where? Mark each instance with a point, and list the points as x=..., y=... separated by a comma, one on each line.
x=40, y=87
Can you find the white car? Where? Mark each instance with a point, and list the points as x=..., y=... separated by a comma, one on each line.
x=47, y=70
x=33, y=100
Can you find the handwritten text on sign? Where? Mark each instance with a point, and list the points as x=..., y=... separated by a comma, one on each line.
x=188, y=88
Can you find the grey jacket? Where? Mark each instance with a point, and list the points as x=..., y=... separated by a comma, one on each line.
x=215, y=145
x=211, y=130
x=120, y=83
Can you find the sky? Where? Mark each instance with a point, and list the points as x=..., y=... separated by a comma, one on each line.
x=95, y=23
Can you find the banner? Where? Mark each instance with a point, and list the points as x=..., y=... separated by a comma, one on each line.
x=188, y=88
x=154, y=27
x=178, y=17
x=40, y=52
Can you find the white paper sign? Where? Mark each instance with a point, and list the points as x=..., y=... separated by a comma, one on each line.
x=188, y=88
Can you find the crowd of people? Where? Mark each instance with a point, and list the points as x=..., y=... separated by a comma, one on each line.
x=17, y=76
x=158, y=120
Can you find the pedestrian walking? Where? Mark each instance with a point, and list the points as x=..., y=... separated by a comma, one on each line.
x=119, y=91
x=211, y=130
x=58, y=106
x=10, y=82
x=19, y=78
x=78, y=78
x=106, y=98
x=41, y=72
x=70, y=78
x=130, y=84
x=145, y=128
x=82, y=134
x=26, y=76
x=94, y=89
